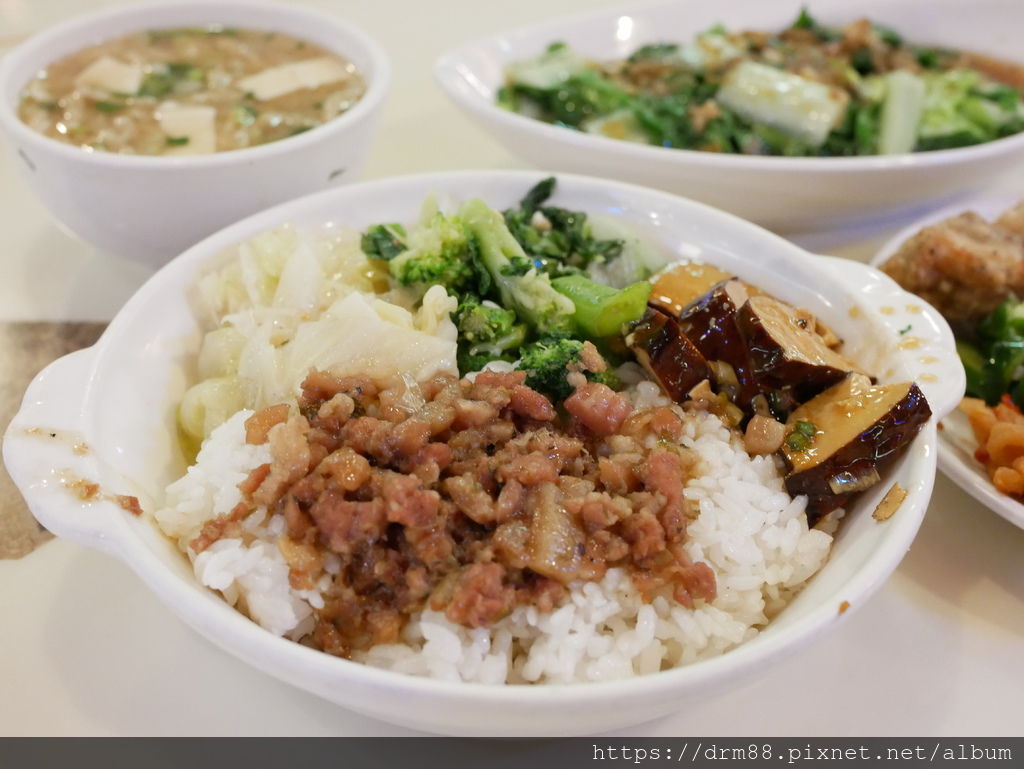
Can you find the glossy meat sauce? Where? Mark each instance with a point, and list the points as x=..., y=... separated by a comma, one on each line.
x=467, y=498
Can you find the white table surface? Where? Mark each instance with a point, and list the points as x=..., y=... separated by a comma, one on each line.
x=85, y=650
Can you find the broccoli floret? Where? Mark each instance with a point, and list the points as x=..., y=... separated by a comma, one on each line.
x=438, y=253
x=545, y=363
x=482, y=322
x=486, y=332
x=530, y=294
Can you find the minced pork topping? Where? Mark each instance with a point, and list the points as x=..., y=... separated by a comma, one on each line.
x=469, y=498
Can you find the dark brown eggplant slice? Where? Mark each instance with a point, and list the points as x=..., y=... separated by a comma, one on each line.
x=663, y=349
x=710, y=323
x=785, y=350
x=857, y=431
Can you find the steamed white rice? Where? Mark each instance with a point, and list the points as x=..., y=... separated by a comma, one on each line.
x=752, y=534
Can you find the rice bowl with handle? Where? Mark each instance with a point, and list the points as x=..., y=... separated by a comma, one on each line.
x=134, y=377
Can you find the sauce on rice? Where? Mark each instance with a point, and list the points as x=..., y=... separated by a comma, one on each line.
x=479, y=500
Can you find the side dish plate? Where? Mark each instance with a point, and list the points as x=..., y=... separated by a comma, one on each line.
x=796, y=194
x=956, y=440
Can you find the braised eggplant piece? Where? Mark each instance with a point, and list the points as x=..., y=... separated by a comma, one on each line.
x=839, y=442
x=710, y=323
x=681, y=284
x=785, y=350
x=664, y=350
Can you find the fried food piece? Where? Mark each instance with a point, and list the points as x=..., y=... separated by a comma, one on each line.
x=1013, y=220
x=964, y=266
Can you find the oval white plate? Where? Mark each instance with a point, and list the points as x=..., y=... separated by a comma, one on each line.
x=956, y=440
x=785, y=194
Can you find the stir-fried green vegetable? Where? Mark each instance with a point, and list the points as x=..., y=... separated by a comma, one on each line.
x=994, y=359
x=523, y=281
x=808, y=90
x=546, y=362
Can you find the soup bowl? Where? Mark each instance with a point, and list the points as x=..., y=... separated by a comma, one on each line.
x=152, y=207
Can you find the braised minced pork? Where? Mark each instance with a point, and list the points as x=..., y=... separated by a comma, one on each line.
x=469, y=498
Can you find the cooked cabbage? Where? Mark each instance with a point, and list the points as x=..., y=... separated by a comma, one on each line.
x=288, y=302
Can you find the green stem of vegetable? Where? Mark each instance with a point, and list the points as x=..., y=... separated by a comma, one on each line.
x=601, y=311
x=901, y=113
x=531, y=294
x=974, y=367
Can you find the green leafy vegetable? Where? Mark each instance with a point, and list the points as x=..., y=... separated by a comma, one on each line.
x=531, y=295
x=994, y=359
x=559, y=240
x=109, y=106
x=569, y=102
x=177, y=141
x=963, y=108
x=384, y=241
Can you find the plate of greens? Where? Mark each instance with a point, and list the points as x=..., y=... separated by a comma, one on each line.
x=797, y=119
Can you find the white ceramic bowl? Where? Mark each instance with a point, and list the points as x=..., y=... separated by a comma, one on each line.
x=118, y=399
x=151, y=208
x=786, y=194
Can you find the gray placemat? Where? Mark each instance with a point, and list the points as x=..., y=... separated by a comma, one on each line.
x=25, y=349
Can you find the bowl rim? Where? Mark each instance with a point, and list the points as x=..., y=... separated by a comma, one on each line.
x=450, y=66
x=376, y=86
x=230, y=629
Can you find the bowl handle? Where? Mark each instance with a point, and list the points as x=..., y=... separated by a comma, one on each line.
x=920, y=336
x=46, y=455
